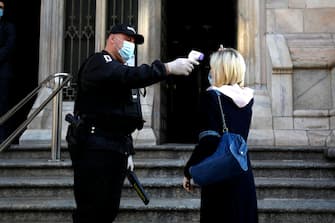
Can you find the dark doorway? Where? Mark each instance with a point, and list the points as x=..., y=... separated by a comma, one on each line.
x=26, y=17
x=201, y=26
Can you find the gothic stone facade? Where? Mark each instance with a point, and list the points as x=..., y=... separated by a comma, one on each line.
x=289, y=46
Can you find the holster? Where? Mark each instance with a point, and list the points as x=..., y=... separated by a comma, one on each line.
x=76, y=135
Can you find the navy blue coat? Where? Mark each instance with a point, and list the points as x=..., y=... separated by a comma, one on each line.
x=230, y=201
x=7, y=40
x=7, y=43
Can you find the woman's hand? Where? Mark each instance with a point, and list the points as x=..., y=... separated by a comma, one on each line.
x=187, y=184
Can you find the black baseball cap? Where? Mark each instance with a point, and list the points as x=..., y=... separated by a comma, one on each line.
x=127, y=30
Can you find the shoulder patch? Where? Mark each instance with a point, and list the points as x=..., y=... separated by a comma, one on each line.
x=107, y=58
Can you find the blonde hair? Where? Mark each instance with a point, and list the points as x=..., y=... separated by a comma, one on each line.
x=227, y=67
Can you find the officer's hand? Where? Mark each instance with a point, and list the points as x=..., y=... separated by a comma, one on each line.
x=130, y=164
x=181, y=66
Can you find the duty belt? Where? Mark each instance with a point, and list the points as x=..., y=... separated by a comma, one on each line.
x=105, y=126
x=108, y=134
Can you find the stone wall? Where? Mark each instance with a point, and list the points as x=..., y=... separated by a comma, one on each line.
x=303, y=99
x=289, y=46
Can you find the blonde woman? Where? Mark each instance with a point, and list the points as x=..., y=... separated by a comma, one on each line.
x=232, y=201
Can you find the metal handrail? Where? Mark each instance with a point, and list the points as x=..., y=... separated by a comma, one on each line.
x=61, y=79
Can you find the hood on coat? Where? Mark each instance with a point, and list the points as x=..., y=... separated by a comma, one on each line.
x=240, y=96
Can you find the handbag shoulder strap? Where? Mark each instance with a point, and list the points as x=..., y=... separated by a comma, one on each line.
x=224, y=126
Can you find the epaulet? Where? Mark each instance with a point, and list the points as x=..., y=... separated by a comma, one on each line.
x=107, y=57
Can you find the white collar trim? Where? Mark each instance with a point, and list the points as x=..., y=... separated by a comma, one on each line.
x=240, y=96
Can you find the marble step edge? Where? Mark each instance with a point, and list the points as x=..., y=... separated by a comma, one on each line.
x=263, y=182
x=185, y=204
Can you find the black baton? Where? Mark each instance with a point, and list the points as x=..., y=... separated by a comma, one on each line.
x=133, y=180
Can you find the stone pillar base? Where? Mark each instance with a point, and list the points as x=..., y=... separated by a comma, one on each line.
x=145, y=136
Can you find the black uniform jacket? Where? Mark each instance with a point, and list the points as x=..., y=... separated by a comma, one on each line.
x=105, y=91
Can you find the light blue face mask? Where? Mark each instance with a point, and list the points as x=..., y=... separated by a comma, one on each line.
x=210, y=79
x=1, y=12
x=127, y=50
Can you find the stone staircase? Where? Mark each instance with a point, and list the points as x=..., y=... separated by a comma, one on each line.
x=294, y=185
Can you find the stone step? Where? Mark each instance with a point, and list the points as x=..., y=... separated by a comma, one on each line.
x=183, y=152
x=165, y=210
x=293, y=169
x=38, y=151
x=171, y=168
x=294, y=184
x=61, y=187
x=296, y=210
x=54, y=187
x=265, y=188
x=287, y=153
x=174, y=151
x=34, y=167
x=261, y=168
x=295, y=188
x=39, y=210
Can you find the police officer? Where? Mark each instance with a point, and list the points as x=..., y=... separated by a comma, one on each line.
x=107, y=110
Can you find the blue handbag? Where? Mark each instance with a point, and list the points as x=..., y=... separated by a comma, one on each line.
x=228, y=161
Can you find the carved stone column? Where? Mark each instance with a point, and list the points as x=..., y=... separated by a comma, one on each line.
x=149, y=25
x=100, y=25
x=50, y=62
x=331, y=137
x=282, y=71
x=251, y=40
x=50, y=53
x=251, y=43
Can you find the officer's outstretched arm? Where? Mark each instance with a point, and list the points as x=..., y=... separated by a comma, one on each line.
x=181, y=66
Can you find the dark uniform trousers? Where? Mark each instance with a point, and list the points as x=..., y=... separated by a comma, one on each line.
x=99, y=173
